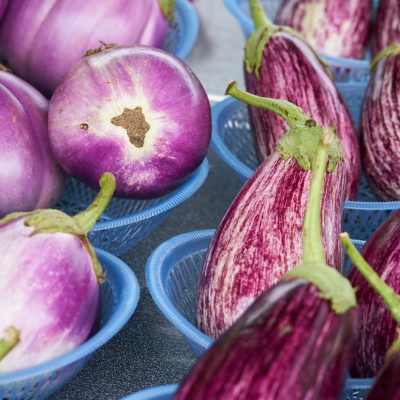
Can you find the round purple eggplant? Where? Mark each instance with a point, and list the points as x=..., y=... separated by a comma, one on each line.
x=30, y=177
x=49, y=287
x=336, y=28
x=137, y=112
x=279, y=64
x=380, y=145
x=43, y=39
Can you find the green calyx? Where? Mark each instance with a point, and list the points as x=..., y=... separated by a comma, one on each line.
x=9, y=340
x=265, y=29
x=54, y=221
x=394, y=348
x=103, y=46
x=332, y=286
x=391, y=50
x=168, y=9
x=302, y=139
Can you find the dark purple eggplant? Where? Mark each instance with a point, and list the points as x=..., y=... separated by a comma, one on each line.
x=260, y=236
x=279, y=64
x=336, y=28
x=387, y=383
x=387, y=25
x=380, y=146
x=377, y=327
x=294, y=342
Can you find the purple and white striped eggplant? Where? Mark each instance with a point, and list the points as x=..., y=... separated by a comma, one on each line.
x=336, y=28
x=43, y=39
x=295, y=340
x=279, y=64
x=260, y=236
x=30, y=177
x=387, y=25
x=49, y=287
x=387, y=384
x=380, y=145
x=377, y=328
x=137, y=112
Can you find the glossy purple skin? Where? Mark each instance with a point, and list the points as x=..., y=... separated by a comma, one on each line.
x=378, y=330
x=387, y=385
x=30, y=178
x=99, y=88
x=260, y=239
x=291, y=71
x=387, y=25
x=3, y=6
x=43, y=39
x=289, y=344
x=48, y=291
x=336, y=28
x=380, y=145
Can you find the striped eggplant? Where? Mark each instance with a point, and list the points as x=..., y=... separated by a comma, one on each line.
x=387, y=25
x=377, y=328
x=336, y=28
x=280, y=64
x=380, y=145
x=294, y=341
x=260, y=236
x=387, y=384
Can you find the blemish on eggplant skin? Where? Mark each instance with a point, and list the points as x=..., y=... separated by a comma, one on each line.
x=84, y=126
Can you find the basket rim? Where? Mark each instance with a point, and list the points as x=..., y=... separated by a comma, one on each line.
x=120, y=274
x=153, y=392
x=172, y=200
x=248, y=26
x=191, y=31
x=245, y=172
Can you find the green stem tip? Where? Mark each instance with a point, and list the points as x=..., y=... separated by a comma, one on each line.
x=8, y=341
x=87, y=218
x=258, y=14
x=391, y=50
x=388, y=295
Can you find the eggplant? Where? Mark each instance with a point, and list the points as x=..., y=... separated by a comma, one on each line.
x=387, y=25
x=295, y=340
x=387, y=384
x=49, y=287
x=377, y=328
x=335, y=28
x=260, y=237
x=380, y=141
x=280, y=64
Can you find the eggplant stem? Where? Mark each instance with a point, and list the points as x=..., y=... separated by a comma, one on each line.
x=391, y=50
x=313, y=247
x=87, y=218
x=8, y=341
x=258, y=14
x=388, y=295
x=292, y=114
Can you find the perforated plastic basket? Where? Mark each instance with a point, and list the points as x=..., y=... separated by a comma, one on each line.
x=126, y=222
x=172, y=275
x=119, y=297
x=233, y=142
x=344, y=69
x=184, y=30
x=164, y=392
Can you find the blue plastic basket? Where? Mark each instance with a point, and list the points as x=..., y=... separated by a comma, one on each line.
x=233, y=141
x=119, y=297
x=164, y=392
x=172, y=275
x=184, y=31
x=344, y=69
x=126, y=222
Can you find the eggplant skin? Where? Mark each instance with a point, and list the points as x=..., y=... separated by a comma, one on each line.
x=387, y=384
x=380, y=144
x=387, y=25
x=289, y=344
x=260, y=239
x=336, y=28
x=378, y=330
x=291, y=71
